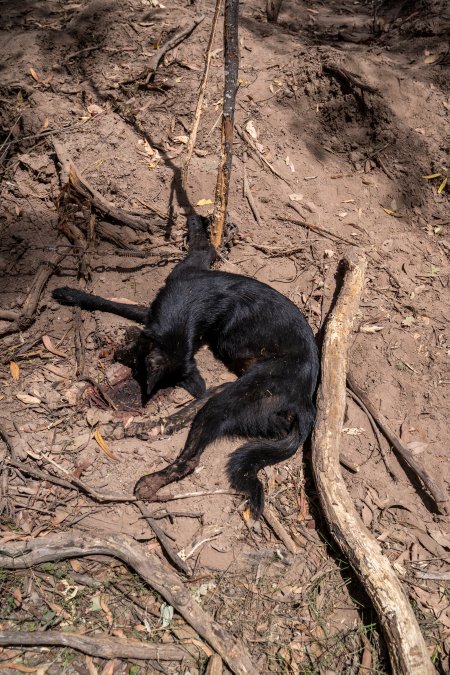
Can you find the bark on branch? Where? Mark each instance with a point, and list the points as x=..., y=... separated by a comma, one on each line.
x=21, y=555
x=105, y=647
x=407, y=649
x=231, y=57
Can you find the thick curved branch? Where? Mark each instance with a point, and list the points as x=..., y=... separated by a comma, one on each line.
x=407, y=649
x=21, y=555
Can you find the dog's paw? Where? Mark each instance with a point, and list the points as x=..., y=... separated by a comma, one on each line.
x=66, y=295
x=147, y=486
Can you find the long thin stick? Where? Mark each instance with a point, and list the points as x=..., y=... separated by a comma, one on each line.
x=201, y=95
x=231, y=57
x=407, y=649
x=436, y=491
x=21, y=555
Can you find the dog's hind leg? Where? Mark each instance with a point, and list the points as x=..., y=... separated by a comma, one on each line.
x=243, y=409
x=201, y=253
x=77, y=298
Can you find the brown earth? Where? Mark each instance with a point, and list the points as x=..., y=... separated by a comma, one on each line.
x=352, y=154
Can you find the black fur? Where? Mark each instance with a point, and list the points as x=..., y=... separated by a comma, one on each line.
x=255, y=331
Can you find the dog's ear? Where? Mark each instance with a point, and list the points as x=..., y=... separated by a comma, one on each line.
x=157, y=364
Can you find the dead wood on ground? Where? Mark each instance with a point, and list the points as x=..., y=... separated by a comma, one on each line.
x=231, y=57
x=407, y=649
x=201, y=95
x=149, y=72
x=105, y=647
x=21, y=555
x=81, y=185
x=23, y=319
x=432, y=486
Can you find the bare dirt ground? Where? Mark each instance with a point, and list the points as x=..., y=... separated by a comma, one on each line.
x=351, y=155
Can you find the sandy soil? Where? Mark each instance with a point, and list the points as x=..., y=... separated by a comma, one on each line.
x=351, y=154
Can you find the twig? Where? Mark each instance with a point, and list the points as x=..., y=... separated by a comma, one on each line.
x=86, y=190
x=407, y=649
x=201, y=95
x=71, y=483
x=248, y=195
x=149, y=72
x=163, y=539
x=105, y=647
x=21, y=555
x=432, y=486
x=231, y=58
x=26, y=316
x=350, y=78
x=373, y=424
x=279, y=529
x=317, y=228
x=245, y=137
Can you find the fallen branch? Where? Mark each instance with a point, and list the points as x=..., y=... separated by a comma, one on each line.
x=407, y=649
x=21, y=555
x=317, y=228
x=249, y=196
x=231, y=58
x=149, y=72
x=373, y=424
x=163, y=540
x=258, y=156
x=350, y=78
x=201, y=95
x=82, y=186
x=432, y=486
x=105, y=647
x=71, y=483
x=279, y=529
x=22, y=320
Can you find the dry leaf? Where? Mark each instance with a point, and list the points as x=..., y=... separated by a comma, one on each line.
x=17, y=595
x=91, y=666
x=390, y=212
x=103, y=445
x=105, y=608
x=417, y=447
x=370, y=329
x=7, y=665
x=26, y=398
x=431, y=58
x=58, y=518
x=94, y=109
x=34, y=75
x=408, y=321
x=441, y=538
x=204, y=202
x=15, y=370
x=250, y=129
x=181, y=139
x=75, y=565
x=353, y=431
x=296, y=197
x=50, y=347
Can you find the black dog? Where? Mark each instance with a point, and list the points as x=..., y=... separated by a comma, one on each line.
x=259, y=334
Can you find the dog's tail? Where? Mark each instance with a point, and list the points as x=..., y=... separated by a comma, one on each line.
x=77, y=298
x=246, y=461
